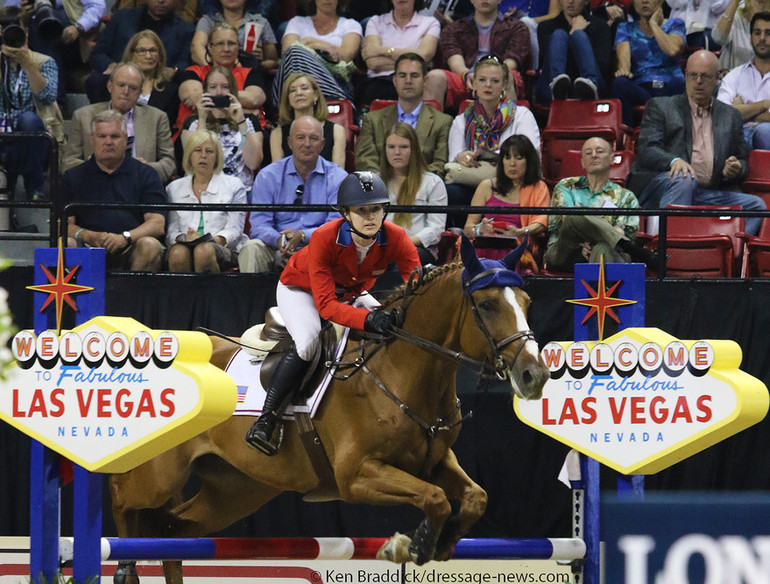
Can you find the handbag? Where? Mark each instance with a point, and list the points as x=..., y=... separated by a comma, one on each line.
x=469, y=176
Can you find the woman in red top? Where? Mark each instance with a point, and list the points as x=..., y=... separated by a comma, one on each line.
x=342, y=260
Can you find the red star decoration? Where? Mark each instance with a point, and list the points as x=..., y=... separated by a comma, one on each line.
x=59, y=288
x=601, y=302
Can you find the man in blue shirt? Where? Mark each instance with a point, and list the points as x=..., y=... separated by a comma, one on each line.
x=585, y=238
x=130, y=236
x=302, y=178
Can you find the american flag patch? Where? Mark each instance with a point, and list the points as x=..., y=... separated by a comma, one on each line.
x=242, y=389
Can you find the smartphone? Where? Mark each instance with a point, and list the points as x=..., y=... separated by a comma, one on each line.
x=221, y=101
x=501, y=225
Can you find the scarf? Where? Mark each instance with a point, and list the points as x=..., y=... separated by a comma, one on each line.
x=482, y=133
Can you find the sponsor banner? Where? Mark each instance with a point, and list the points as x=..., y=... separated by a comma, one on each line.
x=643, y=400
x=111, y=393
x=687, y=538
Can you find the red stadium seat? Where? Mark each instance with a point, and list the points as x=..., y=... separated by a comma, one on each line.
x=571, y=122
x=709, y=247
x=383, y=103
x=757, y=181
x=621, y=166
x=756, y=253
x=341, y=112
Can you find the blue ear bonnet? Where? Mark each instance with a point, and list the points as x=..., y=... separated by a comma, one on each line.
x=484, y=273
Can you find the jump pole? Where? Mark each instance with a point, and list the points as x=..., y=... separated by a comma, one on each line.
x=320, y=548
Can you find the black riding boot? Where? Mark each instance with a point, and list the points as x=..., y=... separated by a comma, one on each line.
x=286, y=379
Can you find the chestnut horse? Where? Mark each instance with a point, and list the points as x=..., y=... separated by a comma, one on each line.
x=383, y=451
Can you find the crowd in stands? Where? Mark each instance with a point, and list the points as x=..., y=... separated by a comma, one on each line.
x=229, y=101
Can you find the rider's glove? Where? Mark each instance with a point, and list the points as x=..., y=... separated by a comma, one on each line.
x=380, y=321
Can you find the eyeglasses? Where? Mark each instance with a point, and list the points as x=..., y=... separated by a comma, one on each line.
x=150, y=50
x=298, y=194
x=228, y=44
x=693, y=76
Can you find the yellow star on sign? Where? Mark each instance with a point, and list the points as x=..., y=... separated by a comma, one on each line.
x=601, y=301
x=59, y=288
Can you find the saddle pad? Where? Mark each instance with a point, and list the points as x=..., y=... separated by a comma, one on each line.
x=244, y=369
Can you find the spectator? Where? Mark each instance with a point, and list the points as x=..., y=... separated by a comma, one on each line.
x=157, y=16
x=130, y=236
x=683, y=157
x=732, y=32
x=323, y=44
x=587, y=238
x=648, y=50
x=390, y=35
x=303, y=97
x=517, y=183
x=187, y=10
x=223, y=51
x=432, y=126
x=29, y=107
x=159, y=89
x=205, y=241
x=263, y=7
x=575, y=54
x=302, y=178
x=255, y=35
x=700, y=17
x=405, y=173
x=149, y=136
x=463, y=42
x=476, y=133
x=745, y=89
x=241, y=144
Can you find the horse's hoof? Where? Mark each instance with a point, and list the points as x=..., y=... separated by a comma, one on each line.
x=124, y=572
x=396, y=549
x=423, y=545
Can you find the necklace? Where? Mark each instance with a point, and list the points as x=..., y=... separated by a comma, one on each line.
x=198, y=191
x=325, y=27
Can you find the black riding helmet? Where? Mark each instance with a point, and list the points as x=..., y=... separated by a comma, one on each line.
x=362, y=188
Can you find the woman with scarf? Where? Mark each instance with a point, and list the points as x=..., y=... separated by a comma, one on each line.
x=476, y=133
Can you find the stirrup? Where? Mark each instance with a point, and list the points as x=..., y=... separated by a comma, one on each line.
x=267, y=447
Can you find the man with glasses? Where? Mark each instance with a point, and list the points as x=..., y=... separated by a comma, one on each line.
x=149, y=134
x=467, y=40
x=746, y=88
x=691, y=149
x=157, y=16
x=303, y=178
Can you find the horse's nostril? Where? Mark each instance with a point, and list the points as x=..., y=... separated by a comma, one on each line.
x=527, y=377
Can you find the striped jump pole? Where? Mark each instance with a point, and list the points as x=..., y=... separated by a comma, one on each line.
x=317, y=548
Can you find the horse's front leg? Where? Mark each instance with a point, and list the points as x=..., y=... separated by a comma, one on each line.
x=457, y=485
x=377, y=483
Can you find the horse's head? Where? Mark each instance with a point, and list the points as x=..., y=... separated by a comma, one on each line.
x=500, y=323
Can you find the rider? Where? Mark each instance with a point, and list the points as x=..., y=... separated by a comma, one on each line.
x=342, y=260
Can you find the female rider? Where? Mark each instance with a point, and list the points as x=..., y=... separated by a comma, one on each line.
x=342, y=260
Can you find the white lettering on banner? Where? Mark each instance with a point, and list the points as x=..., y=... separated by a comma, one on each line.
x=730, y=559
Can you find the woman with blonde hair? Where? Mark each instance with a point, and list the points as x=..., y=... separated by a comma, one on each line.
x=302, y=97
x=205, y=241
x=405, y=173
x=241, y=144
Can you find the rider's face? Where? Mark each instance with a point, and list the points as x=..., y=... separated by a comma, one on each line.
x=367, y=218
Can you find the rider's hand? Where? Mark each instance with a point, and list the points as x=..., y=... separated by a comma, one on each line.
x=379, y=321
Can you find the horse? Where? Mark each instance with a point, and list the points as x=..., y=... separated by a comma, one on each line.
x=387, y=430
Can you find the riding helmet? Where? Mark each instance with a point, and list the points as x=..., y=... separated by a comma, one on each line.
x=362, y=188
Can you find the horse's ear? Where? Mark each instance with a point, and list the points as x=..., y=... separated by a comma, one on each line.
x=512, y=259
x=468, y=254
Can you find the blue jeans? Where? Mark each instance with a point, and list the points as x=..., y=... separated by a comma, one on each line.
x=560, y=46
x=757, y=136
x=686, y=191
x=26, y=157
x=630, y=93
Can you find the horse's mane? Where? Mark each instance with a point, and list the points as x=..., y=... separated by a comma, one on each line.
x=434, y=274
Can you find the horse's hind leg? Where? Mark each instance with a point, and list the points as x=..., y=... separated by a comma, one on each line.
x=473, y=502
x=172, y=570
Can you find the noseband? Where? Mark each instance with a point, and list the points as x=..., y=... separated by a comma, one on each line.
x=500, y=370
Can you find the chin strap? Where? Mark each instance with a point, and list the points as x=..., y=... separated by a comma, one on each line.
x=357, y=232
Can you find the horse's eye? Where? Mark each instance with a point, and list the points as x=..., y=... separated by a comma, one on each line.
x=487, y=305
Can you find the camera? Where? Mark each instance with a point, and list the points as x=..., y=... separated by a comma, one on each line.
x=221, y=101
x=48, y=24
x=13, y=35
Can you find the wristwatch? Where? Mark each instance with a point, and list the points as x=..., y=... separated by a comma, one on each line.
x=127, y=235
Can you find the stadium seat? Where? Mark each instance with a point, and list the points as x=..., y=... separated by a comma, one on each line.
x=571, y=122
x=621, y=166
x=756, y=253
x=341, y=112
x=383, y=103
x=708, y=247
x=757, y=181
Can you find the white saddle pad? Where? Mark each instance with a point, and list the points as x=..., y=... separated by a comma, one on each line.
x=244, y=369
